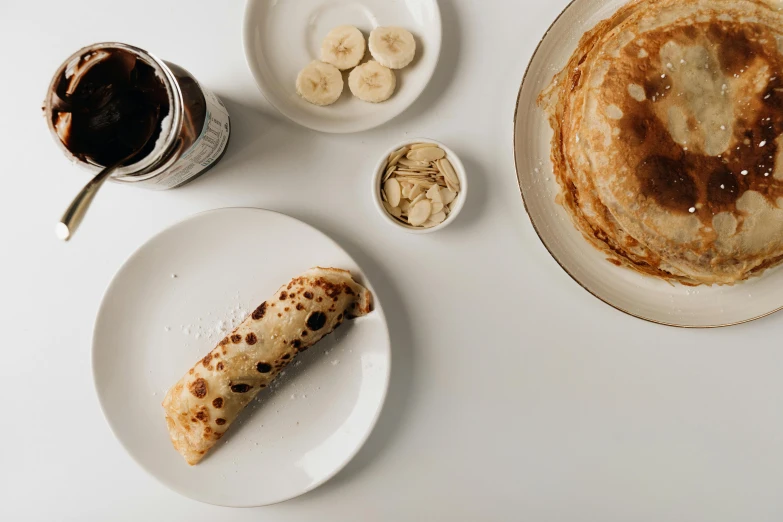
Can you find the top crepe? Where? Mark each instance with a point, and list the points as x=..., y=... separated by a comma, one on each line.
x=667, y=123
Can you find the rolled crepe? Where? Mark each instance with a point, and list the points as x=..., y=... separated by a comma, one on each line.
x=203, y=404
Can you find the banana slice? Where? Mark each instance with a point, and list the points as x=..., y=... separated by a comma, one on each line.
x=319, y=83
x=392, y=47
x=372, y=82
x=343, y=47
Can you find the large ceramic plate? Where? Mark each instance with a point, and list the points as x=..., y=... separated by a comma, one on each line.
x=282, y=36
x=635, y=294
x=153, y=326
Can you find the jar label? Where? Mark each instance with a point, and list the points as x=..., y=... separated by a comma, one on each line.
x=207, y=148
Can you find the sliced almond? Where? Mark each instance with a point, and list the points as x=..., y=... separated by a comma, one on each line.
x=437, y=206
x=410, y=173
x=421, y=146
x=426, y=154
x=416, y=200
x=447, y=196
x=394, y=211
x=406, y=189
x=420, y=212
x=434, y=194
x=401, y=149
x=383, y=195
x=413, y=193
x=405, y=205
x=395, y=156
x=393, y=191
x=389, y=172
x=451, y=186
x=413, y=163
x=448, y=171
x=416, y=191
x=410, y=177
x=437, y=218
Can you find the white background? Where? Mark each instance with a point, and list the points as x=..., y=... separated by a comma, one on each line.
x=515, y=395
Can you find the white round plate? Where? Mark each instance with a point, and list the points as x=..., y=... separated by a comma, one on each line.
x=282, y=36
x=641, y=296
x=152, y=327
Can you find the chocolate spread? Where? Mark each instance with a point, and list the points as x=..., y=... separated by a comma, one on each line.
x=104, y=111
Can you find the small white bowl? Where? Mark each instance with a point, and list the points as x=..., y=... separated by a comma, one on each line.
x=380, y=169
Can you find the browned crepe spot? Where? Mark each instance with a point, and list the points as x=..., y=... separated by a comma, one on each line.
x=251, y=338
x=259, y=312
x=218, y=402
x=199, y=388
x=677, y=177
x=316, y=321
x=240, y=388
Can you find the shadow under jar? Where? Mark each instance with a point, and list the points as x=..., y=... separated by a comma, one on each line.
x=101, y=98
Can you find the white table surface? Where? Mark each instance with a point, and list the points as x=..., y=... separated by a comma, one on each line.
x=515, y=395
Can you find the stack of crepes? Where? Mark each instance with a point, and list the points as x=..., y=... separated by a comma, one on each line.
x=667, y=123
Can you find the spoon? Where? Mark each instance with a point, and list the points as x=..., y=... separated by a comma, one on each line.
x=73, y=216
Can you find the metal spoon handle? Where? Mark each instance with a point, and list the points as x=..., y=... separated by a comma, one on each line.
x=73, y=216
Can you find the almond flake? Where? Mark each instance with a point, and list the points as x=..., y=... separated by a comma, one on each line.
x=399, y=155
x=447, y=196
x=434, y=194
x=416, y=200
x=389, y=172
x=426, y=154
x=394, y=211
x=420, y=212
x=413, y=163
x=393, y=191
x=437, y=217
x=448, y=171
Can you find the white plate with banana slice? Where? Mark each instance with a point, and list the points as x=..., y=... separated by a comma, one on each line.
x=338, y=65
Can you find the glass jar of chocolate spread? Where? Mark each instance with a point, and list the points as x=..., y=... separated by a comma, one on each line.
x=101, y=103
